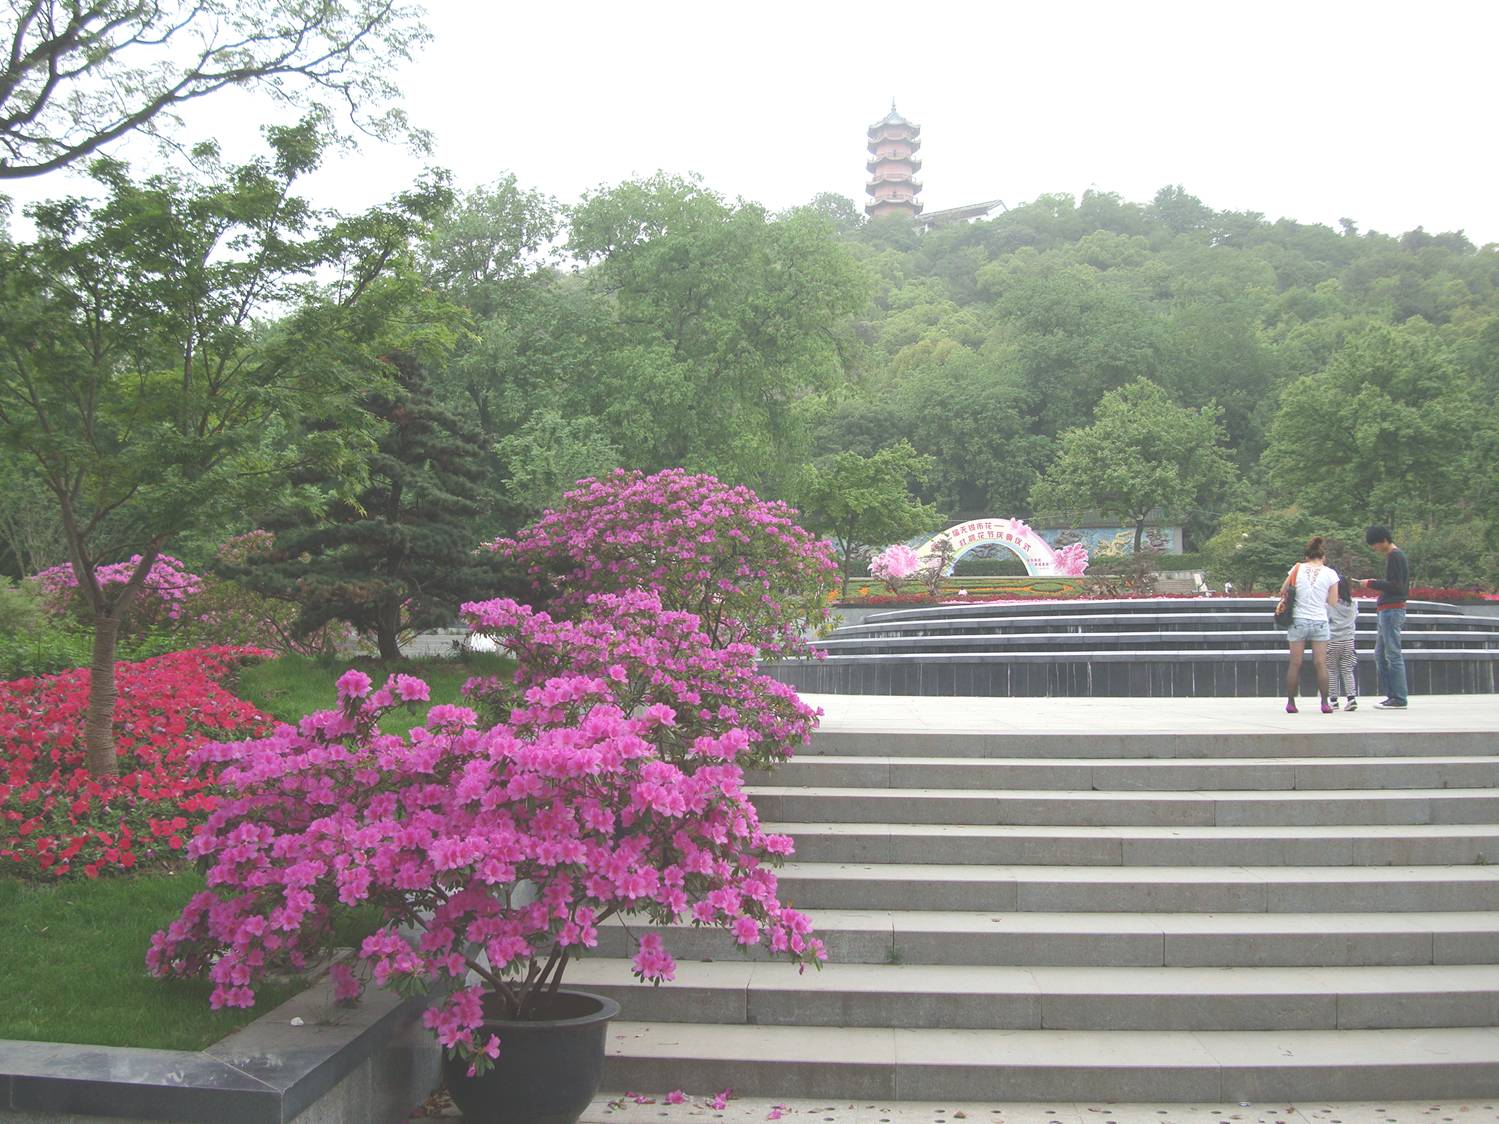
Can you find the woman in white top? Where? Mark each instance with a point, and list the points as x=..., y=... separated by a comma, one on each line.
x=1316, y=591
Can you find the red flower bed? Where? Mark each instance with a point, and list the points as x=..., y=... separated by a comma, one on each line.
x=1447, y=593
x=56, y=819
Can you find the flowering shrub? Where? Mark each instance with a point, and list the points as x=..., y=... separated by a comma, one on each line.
x=500, y=851
x=56, y=819
x=163, y=597
x=644, y=657
x=741, y=564
x=893, y=565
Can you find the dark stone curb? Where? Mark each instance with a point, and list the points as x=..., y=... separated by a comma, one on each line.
x=370, y=1062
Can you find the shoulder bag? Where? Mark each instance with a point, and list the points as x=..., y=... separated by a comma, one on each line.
x=1285, y=608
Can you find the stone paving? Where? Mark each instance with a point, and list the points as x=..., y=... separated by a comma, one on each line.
x=616, y=1110
x=892, y=714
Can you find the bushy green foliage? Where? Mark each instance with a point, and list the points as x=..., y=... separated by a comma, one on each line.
x=1254, y=551
x=57, y=646
x=21, y=608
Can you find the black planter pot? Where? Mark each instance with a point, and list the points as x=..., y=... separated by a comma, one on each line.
x=549, y=1067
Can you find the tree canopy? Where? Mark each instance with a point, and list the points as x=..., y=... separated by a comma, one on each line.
x=78, y=74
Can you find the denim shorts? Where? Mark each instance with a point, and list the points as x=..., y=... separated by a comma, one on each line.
x=1308, y=630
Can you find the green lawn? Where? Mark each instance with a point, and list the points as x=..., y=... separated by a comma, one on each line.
x=291, y=686
x=75, y=966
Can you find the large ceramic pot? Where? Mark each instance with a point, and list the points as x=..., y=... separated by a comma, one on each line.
x=549, y=1066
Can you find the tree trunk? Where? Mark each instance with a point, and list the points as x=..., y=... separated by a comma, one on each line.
x=1139, y=534
x=388, y=631
x=98, y=728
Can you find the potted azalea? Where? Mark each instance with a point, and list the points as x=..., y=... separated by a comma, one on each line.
x=498, y=838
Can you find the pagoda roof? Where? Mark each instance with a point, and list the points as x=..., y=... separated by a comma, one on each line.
x=903, y=180
x=910, y=205
x=893, y=118
x=875, y=161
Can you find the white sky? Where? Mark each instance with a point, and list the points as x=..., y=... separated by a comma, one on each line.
x=1382, y=112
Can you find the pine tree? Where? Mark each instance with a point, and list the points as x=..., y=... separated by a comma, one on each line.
x=404, y=554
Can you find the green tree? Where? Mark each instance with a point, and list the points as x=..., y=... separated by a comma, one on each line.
x=1071, y=337
x=1383, y=434
x=1255, y=550
x=548, y=455
x=489, y=243
x=968, y=414
x=1141, y=454
x=402, y=552
x=78, y=74
x=864, y=502
x=141, y=378
x=723, y=319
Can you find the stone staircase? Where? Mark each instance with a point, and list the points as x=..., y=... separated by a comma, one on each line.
x=1252, y=916
x=1131, y=648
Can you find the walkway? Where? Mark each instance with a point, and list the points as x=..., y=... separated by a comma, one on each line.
x=897, y=714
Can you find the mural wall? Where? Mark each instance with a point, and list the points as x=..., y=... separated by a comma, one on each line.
x=1104, y=542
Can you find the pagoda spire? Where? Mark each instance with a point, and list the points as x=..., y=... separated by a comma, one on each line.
x=892, y=166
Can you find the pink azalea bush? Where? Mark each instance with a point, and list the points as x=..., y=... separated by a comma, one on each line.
x=164, y=597
x=894, y=565
x=644, y=657
x=739, y=563
x=496, y=851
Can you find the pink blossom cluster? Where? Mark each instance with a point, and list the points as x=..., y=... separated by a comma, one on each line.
x=742, y=564
x=647, y=659
x=493, y=851
x=1072, y=560
x=893, y=565
x=169, y=582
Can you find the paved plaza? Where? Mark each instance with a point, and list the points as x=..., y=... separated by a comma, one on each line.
x=610, y=1110
x=897, y=714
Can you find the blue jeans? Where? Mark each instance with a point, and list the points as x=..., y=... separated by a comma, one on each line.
x=1389, y=660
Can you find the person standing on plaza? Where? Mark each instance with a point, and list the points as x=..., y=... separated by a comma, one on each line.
x=1393, y=589
x=1342, y=660
x=1316, y=585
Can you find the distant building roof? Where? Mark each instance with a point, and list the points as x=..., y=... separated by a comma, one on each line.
x=964, y=213
x=893, y=118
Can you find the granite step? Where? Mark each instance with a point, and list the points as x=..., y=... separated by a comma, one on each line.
x=977, y=997
x=1325, y=845
x=849, y=1063
x=1199, y=808
x=1025, y=939
x=1364, y=733
x=1127, y=889
x=1223, y=774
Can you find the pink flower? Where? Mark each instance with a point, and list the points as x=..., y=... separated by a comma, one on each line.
x=408, y=688
x=353, y=684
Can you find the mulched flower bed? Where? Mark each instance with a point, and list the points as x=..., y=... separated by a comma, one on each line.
x=57, y=820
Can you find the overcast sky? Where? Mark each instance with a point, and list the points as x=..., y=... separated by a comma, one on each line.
x=1380, y=112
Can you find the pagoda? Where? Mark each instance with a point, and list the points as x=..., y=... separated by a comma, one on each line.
x=893, y=165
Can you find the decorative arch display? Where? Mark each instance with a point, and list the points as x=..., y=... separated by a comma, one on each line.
x=1016, y=536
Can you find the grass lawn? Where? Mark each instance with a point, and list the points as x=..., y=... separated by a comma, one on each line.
x=291, y=686
x=75, y=966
